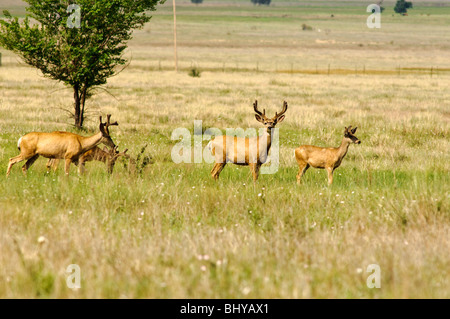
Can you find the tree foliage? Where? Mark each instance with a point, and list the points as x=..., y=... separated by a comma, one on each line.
x=197, y=1
x=82, y=57
x=402, y=6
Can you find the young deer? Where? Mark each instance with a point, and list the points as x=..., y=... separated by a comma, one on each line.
x=247, y=151
x=109, y=157
x=59, y=145
x=329, y=158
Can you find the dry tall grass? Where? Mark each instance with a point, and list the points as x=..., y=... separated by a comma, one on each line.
x=173, y=232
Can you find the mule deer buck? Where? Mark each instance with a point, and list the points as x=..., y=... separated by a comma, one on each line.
x=59, y=145
x=329, y=158
x=247, y=151
x=109, y=157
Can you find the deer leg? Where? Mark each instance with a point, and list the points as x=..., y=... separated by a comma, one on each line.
x=49, y=164
x=81, y=166
x=255, y=171
x=29, y=162
x=301, y=170
x=12, y=161
x=218, y=167
x=110, y=166
x=330, y=175
x=52, y=163
x=55, y=164
x=67, y=166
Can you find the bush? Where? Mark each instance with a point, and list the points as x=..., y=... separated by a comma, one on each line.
x=306, y=27
x=138, y=165
x=402, y=6
x=194, y=72
x=197, y=1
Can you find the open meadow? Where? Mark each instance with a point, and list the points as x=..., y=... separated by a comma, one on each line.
x=171, y=231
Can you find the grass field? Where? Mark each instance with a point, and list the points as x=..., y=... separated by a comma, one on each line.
x=172, y=232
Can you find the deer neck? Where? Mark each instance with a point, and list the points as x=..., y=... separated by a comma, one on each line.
x=343, y=148
x=90, y=142
x=265, y=140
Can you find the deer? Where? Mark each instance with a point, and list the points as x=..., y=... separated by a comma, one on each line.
x=109, y=157
x=328, y=158
x=59, y=145
x=246, y=151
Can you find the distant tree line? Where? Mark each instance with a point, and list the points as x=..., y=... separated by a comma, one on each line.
x=401, y=6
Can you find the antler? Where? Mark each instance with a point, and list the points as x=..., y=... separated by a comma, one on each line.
x=116, y=153
x=112, y=151
x=255, y=107
x=285, y=106
x=108, y=118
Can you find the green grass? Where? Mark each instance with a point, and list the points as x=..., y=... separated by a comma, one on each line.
x=173, y=232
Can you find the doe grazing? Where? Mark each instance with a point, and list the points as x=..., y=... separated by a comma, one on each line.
x=59, y=145
x=329, y=158
x=109, y=157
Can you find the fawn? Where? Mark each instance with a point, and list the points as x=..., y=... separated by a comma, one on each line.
x=329, y=158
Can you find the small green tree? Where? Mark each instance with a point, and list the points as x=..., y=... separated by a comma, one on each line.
x=197, y=1
x=402, y=6
x=78, y=44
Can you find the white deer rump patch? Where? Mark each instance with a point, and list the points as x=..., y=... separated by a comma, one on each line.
x=18, y=143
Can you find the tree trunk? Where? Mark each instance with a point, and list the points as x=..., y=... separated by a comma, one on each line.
x=83, y=101
x=77, y=106
x=79, y=95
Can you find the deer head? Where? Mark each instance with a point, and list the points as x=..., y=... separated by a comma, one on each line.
x=269, y=123
x=349, y=134
x=104, y=129
x=114, y=154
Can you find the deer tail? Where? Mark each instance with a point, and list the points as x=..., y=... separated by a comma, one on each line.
x=18, y=143
x=210, y=147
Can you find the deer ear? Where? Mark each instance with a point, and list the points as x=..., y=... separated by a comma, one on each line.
x=258, y=118
x=354, y=130
x=280, y=119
